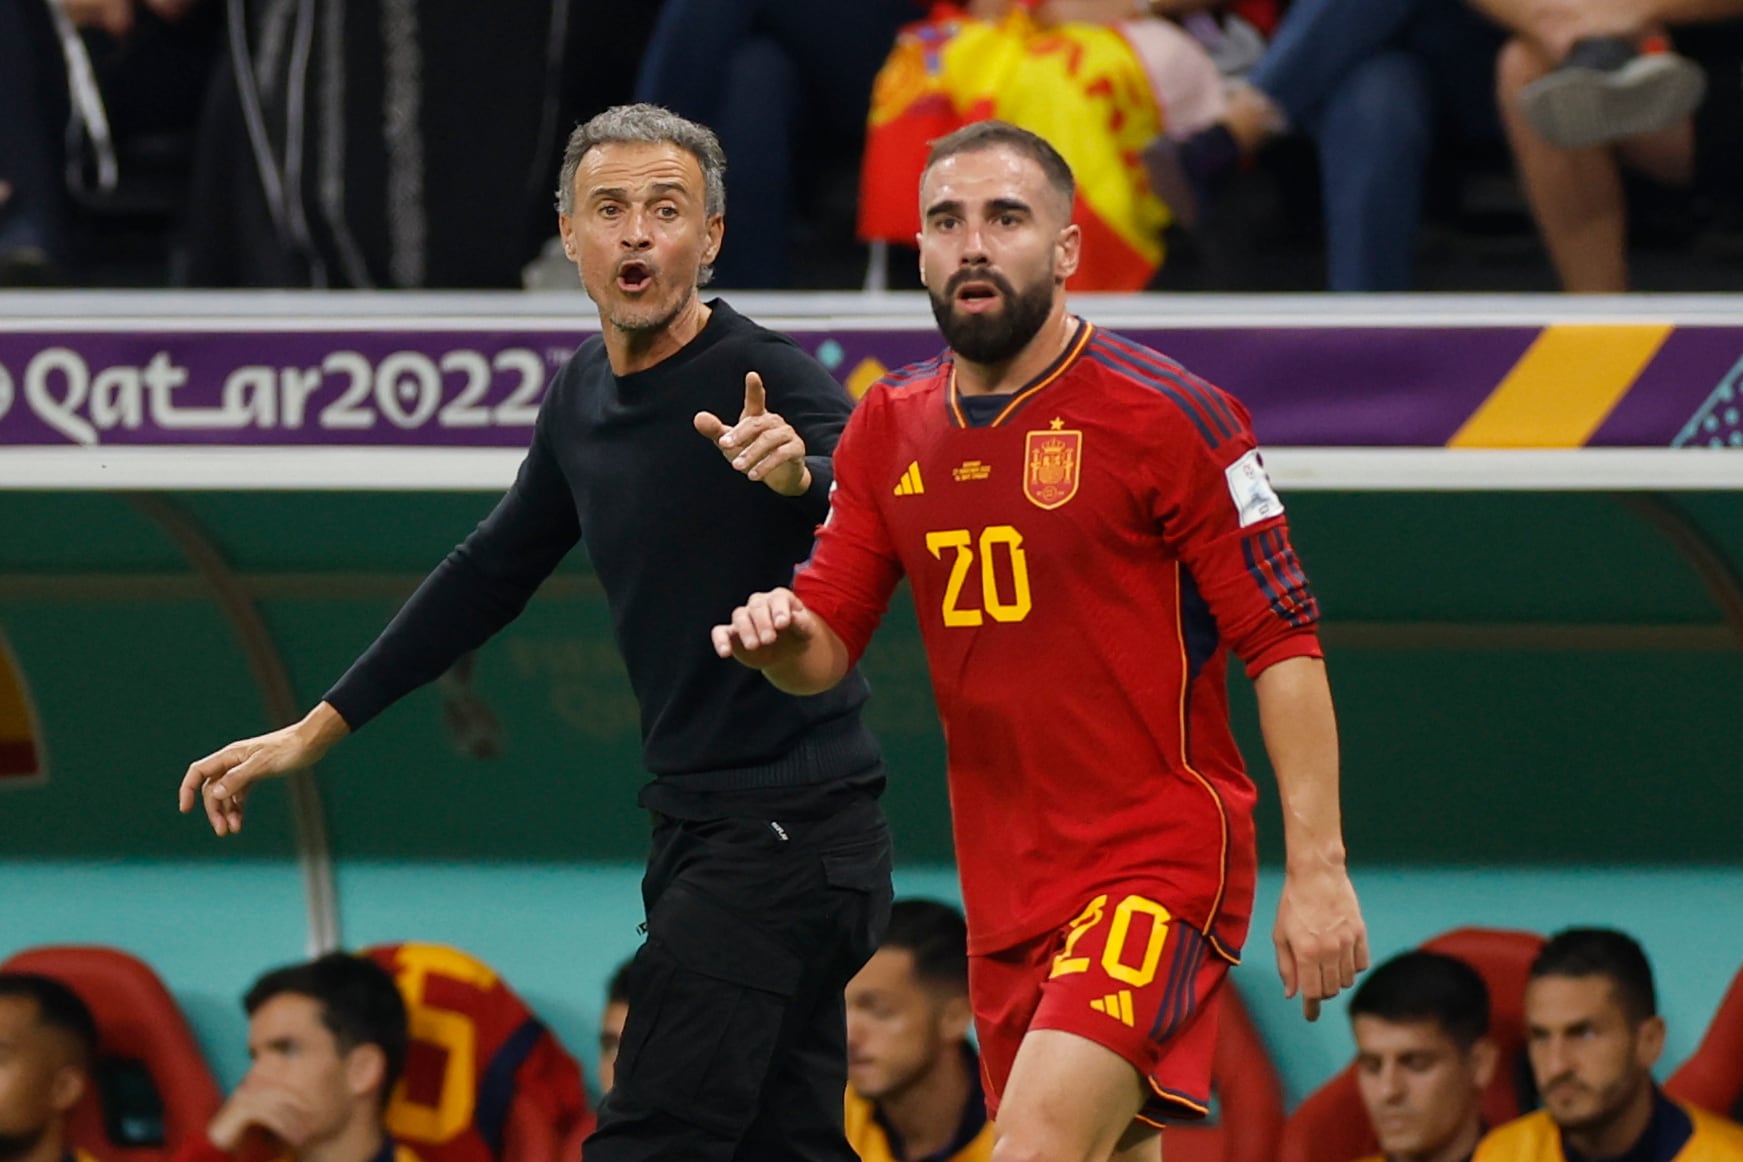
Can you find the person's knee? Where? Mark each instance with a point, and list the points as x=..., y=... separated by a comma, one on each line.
x=1520, y=63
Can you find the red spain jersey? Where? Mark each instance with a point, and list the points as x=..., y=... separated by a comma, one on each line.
x=1082, y=553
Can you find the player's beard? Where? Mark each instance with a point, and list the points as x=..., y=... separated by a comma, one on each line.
x=995, y=336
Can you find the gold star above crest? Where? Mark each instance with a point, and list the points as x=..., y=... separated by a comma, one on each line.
x=1057, y=423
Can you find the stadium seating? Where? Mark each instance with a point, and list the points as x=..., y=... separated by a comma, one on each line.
x=485, y=1080
x=1249, y=1098
x=1332, y=1126
x=152, y=1085
x=1712, y=1077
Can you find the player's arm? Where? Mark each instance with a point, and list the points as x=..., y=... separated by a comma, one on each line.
x=1220, y=514
x=794, y=648
x=1321, y=941
x=480, y=587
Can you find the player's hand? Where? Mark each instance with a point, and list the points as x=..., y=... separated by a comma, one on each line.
x=1321, y=940
x=222, y=780
x=761, y=445
x=279, y=1112
x=767, y=629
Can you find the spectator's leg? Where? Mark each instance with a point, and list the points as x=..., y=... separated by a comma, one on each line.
x=1321, y=42
x=756, y=130
x=1375, y=133
x=30, y=132
x=1459, y=48
x=1575, y=195
x=686, y=63
x=839, y=47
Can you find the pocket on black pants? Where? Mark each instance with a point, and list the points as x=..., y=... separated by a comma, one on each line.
x=707, y=1000
x=860, y=872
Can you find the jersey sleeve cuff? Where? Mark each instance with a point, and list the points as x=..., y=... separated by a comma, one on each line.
x=1302, y=644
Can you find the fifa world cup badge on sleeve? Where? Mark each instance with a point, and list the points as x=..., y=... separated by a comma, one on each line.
x=1255, y=499
x=1052, y=465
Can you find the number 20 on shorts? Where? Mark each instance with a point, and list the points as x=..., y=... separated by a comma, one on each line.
x=1114, y=960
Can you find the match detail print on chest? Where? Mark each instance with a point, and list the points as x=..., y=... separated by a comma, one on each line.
x=980, y=551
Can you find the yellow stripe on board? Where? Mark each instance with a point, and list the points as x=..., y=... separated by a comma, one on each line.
x=1564, y=387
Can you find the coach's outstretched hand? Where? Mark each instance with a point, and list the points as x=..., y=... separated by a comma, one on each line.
x=761, y=445
x=223, y=779
x=1321, y=940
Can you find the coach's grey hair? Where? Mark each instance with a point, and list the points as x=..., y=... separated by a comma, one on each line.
x=655, y=126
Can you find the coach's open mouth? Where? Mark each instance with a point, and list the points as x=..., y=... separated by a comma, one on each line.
x=634, y=276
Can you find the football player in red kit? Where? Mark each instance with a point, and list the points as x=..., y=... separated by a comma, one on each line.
x=1087, y=529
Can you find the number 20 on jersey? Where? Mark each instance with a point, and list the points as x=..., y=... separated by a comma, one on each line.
x=996, y=555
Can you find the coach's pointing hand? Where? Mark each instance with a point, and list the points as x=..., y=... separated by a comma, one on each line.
x=222, y=780
x=761, y=445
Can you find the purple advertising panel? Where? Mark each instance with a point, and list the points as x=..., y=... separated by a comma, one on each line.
x=1622, y=385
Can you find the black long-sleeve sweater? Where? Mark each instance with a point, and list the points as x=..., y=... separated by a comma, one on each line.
x=678, y=538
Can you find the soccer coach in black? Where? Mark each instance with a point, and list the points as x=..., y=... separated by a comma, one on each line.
x=768, y=882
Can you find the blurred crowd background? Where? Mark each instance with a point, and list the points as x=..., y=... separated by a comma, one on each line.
x=1227, y=145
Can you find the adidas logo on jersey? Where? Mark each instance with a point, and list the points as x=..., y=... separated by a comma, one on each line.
x=1116, y=1005
x=910, y=484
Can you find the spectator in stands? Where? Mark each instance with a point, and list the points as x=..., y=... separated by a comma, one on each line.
x=96, y=99
x=786, y=84
x=47, y=1044
x=913, y=1077
x=1096, y=79
x=327, y=1039
x=1582, y=103
x=611, y=1023
x=1377, y=84
x=1593, y=1035
x=1423, y=1056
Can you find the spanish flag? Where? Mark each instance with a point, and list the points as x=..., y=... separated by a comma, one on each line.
x=1080, y=86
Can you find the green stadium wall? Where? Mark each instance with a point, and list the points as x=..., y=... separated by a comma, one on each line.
x=1537, y=696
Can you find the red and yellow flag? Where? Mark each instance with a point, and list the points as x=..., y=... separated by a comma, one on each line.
x=1080, y=86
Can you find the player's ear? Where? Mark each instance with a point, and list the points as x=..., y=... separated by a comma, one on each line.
x=1067, y=251
x=68, y=1087
x=1649, y=1046
x=1484, y=1057
x=956, y=1018
x=365, y=1069
x=566, y=230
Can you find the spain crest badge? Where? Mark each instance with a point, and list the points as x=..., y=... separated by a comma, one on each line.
x=1052, y=461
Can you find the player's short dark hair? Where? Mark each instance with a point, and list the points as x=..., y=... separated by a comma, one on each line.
x=1427, y=986
x=981, y=135
x=1602, y=952
x=617, y=992
x=360, y=1004
x=937, y=937
x=58, y=1007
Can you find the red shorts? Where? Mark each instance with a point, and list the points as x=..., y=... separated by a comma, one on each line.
x=1123, y=974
